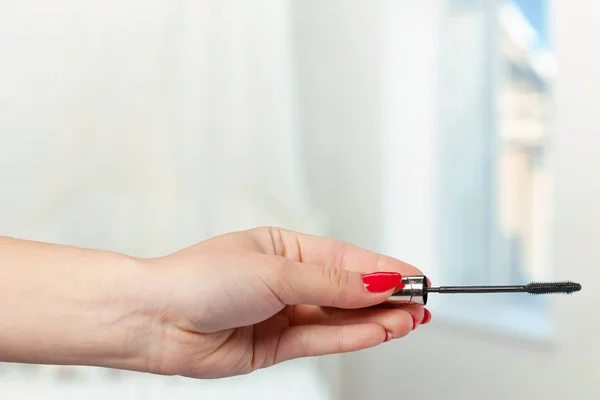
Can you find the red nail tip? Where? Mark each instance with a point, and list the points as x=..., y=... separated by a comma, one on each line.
x=426, y=317
x=378, y=282
x=388, y=336
x=415, y=322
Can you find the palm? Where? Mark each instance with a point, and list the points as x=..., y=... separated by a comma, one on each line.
x=240, y=350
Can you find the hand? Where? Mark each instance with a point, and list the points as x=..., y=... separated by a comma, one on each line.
x=252, y=299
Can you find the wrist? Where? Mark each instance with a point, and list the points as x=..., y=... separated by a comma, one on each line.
x=120, y=326
x=64, y=305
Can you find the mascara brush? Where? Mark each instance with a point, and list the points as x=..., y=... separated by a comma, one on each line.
x=416, y=289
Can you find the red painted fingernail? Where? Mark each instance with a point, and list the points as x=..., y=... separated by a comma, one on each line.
x=388, y=336
x=378, y=282
x=426, y=317
x=415, y=322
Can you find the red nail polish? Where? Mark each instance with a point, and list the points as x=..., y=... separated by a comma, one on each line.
x=426, y=317
x=378, y=282
x=388, y=336
x=415, y=322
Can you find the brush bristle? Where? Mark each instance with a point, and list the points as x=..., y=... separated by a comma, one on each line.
x=566, y=287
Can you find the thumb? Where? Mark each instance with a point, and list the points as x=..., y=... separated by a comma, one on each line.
x=299, y=283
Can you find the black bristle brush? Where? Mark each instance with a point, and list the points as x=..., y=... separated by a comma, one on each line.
x=416, y=289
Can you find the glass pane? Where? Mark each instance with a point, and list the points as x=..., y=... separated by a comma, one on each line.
x=523, y=109
x=497, y=68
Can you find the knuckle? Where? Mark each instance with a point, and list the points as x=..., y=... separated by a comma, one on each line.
x=338, y=278
x=338, y=281
x=340, y=250
x=275, y=236
x=283, y=281
x=406, y=327
x=339, y=341
x=305, y=345
x=269, y=238
x=280, y=243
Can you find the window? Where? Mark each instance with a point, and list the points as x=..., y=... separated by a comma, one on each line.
x=493, y=200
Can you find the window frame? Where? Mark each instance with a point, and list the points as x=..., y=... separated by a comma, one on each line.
x=521, y=316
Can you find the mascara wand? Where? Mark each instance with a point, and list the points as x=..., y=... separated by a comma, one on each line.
x=416, y=289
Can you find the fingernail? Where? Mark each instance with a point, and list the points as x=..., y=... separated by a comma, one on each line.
x=415, y=322
x=388, y=336
x=378, y=282
x=426, y=317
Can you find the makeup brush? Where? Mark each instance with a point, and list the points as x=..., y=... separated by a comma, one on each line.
x=416, y=289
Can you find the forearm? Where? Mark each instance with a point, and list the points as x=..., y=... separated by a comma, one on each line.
x=65, y=305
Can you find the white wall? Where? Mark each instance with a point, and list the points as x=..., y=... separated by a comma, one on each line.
x=338, y=57
x=143, y=127
x=443, y=360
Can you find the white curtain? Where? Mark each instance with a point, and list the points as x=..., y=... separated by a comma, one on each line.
x=143, y=127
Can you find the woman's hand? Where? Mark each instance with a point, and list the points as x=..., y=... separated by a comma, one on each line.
x=223, y=307
x=248, y=300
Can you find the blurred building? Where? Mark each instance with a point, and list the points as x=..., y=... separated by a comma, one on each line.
x=524, y=89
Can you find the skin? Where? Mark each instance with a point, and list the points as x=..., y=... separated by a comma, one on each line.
x=224, y=307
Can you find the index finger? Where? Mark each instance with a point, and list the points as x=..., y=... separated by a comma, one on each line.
x=311, y=249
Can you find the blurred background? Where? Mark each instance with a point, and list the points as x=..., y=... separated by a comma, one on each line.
x=459, y=135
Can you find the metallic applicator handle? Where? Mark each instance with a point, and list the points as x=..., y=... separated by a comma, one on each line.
x=416, y=289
